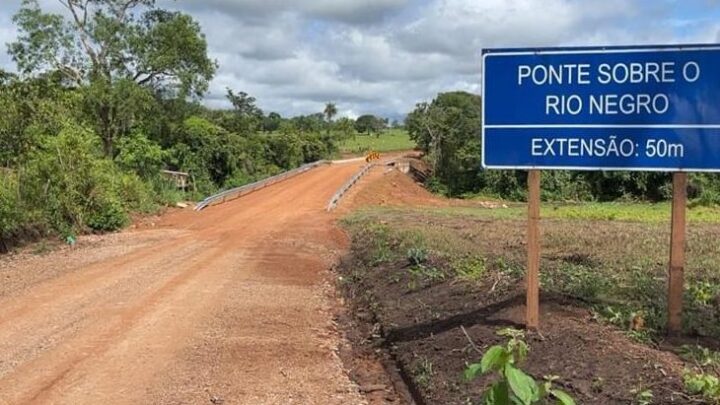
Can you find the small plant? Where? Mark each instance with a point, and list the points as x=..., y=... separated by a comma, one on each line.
x=423, y=372
x=509, y=269
x=701, y=356
x=513, y=385
x=643, y=397
x=469, y=268
x=417, y=256
x=423, y=273
x=577, y=281
x=703, y=379
x=702, y=293
x=703, y=384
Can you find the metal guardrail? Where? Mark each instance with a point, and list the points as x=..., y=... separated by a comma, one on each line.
x=238, y=192
x=335, y=199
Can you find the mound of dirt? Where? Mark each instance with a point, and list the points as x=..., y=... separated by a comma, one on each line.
x=388, y=186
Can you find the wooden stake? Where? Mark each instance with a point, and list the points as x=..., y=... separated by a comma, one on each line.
x=532, y=318
x=677, y=254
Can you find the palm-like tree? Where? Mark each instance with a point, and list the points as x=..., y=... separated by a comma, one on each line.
x=329, y=112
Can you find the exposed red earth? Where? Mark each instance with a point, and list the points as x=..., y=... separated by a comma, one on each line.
x=230, y=305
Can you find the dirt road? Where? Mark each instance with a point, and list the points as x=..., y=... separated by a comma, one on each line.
x=223, y=306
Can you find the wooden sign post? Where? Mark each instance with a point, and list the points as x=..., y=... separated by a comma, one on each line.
x=677, y=254
x=532, y=296
x=570, y=119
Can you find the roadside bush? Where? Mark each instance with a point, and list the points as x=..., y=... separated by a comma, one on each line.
x=107, y=214
x=11, y=216
x=141, y=155
x=134, y=193
x=165, y=192
x=75, y=186
x=704, y=189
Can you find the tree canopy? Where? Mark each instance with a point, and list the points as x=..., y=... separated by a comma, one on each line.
x=122, y=52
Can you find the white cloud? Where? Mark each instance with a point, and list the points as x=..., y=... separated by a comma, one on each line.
x=383, y=56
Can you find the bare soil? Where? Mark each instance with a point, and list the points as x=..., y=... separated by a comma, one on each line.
x=430, y=330
x=230, y=305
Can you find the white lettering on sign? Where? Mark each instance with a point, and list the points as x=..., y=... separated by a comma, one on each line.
x=612, y=146
x=554, y=74
x=661, y=72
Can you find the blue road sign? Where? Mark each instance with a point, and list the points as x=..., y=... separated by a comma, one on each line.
x=615, y=108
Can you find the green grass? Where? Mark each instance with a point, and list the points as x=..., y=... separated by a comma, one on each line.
x=612, y=255
x=388, y=141
x=656, y=213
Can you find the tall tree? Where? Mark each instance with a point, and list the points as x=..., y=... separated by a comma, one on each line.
x=248, y=116
x=448, y=129
x=330, y=112
x=369, y=123
x=123, y=51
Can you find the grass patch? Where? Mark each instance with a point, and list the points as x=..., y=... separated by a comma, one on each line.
x=655, y=213
x=388, y=141
x=612, y=256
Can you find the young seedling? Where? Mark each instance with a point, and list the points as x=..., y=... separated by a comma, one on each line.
x=513, y=386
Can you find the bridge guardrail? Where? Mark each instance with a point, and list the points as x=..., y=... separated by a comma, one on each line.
x=232, y=194
x=335, y=199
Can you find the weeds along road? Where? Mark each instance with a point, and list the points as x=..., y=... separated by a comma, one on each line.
x=223, y=306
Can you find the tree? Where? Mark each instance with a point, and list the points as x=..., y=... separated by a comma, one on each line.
x=249, y=116
x=271, y=122
x=106, y=44
x=369, y=123
x=346, y=126
x=330, y=112
x=448, y=129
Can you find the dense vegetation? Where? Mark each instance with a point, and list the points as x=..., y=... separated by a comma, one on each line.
x=108, y=95
x=448, y=130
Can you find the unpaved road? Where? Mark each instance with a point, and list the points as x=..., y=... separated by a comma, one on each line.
x=224, y=306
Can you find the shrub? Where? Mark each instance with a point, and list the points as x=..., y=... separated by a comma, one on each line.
x=141, y=155
x=106, y=215
x=76, y=187
x=11, y=216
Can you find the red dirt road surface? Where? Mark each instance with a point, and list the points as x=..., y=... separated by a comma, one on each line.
x=226, y=306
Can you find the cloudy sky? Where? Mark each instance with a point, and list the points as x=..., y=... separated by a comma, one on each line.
x=383, y=56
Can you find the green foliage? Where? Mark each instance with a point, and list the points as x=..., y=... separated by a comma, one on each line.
x=106, y=214
x=417, y=255
x=470, y=267
x=702, y=379
x=422, y=275
x=11, y=214
x=577, y=281
x=139, y=154
x=703, y=384
x=512, y=385
x=701, y=356
x=75, y=185
x=369, y=124
x=32, y=108
x=643, y=397
x=118, y=52
x=448, y=129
